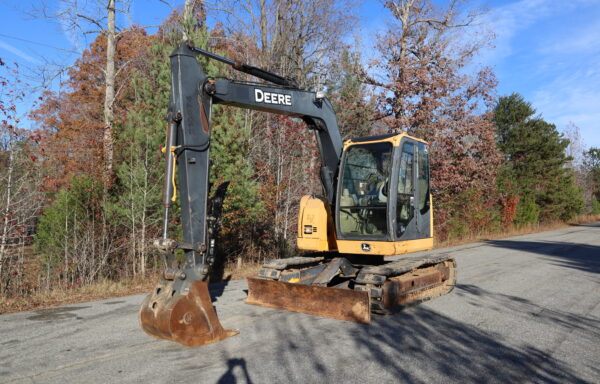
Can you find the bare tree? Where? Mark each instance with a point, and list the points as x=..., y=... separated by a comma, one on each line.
x=580, y=164
x=294, y=37
x=576, y=146
x=109, y=97
x=19, y=184
x=83, y=18
x=20, y=201
x=420, y=59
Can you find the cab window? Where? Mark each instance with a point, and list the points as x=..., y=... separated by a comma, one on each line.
x=406, y=194
x=365, y=184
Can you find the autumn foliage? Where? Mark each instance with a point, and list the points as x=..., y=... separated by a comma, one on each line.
x=425, y=90
x=72, y=118
x=488, y=172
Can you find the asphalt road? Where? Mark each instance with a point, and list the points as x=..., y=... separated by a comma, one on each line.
x=526, y=309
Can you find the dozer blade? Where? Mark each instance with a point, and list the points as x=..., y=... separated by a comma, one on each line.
x=336, y=303
x=187, y=318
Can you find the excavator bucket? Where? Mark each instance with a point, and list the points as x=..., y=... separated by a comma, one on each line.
x=336, y=303
x=188, y=318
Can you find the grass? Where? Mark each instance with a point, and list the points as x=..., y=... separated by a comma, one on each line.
x=106, y=289
x=514, y=231
x=248, y=269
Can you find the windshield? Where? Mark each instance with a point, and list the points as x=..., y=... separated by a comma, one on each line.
x=365, y=184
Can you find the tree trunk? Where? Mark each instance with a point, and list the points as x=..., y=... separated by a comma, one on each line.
x=263, y=26
x=188, y=14
x=5, y=221
x=66, y=251
x=144, y=208
x=109, y=97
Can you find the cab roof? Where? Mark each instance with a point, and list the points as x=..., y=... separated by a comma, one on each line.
x=394, y=138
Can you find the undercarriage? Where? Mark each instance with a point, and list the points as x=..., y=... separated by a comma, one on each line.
x=345, y=287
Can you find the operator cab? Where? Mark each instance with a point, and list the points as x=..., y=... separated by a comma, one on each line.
x=383, y=190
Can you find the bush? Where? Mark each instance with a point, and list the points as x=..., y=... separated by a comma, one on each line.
x=528, y=212
x=468, y=213
x=72, y=235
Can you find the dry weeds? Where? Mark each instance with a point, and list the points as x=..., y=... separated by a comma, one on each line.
x=104, y=289
x=514, y=231
x=109, y=289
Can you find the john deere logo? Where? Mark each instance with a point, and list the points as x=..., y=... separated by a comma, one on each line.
x=366, y=247
x=261, y=96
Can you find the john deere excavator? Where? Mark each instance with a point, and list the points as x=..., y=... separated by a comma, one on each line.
x=376, y=203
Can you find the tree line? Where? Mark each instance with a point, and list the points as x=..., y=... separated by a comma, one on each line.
x=80, y=198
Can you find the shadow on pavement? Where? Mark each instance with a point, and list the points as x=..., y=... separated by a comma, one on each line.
x=416, y=346
x=583, y=257
x=526, y=309
x=216, y=289
x=589, y=225
x=229, y=377
x=458, y=352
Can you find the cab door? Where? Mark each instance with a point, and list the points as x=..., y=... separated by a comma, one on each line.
x=410, y=186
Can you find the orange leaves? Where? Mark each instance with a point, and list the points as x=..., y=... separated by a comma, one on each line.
x=509, y=209
x=71, y=121
x=427, y=92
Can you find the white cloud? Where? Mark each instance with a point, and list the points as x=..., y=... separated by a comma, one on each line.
x=584, y=40
x=506, y=22
x=558, y=74
x=68, y=25
x=509, y=20
x=572, y=97
x=18, y=53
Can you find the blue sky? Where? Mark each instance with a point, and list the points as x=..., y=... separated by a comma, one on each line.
x=547, y=50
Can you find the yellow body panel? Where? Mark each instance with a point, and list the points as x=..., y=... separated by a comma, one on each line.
x=431, y=215
x=315, y=216
x=385, y=248
x=317, y=245
x=410, y=246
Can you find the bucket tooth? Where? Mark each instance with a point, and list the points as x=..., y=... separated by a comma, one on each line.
x=187, y=318
x=336, y=303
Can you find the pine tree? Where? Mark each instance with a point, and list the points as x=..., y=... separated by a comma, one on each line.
x=592, y=167
x=141, y=167
x=349, y=97
x=535, y=163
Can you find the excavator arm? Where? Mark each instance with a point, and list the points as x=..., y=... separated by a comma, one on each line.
x=179, y=308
